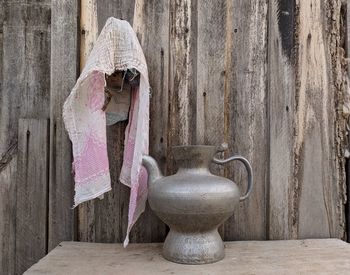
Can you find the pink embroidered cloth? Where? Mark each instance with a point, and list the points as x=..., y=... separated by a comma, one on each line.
x=117, y=48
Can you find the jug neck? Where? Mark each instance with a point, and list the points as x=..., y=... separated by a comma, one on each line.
x=196, y=158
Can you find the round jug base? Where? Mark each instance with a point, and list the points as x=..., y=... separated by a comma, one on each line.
x=193, y=248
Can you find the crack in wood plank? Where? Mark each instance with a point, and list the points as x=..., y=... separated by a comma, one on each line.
x=8, y=155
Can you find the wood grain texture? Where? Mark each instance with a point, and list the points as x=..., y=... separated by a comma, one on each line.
x=182, y=75
x=318, y=174
x=307, y=138
x=31, y=192
x=121, y=9
x=281, y=106
x=213, y=28
x=8, y=156
x=246, y=126
x=327, y=256
x=8, y=216
x=88, y=29
x=64, y=71
x=25, y=63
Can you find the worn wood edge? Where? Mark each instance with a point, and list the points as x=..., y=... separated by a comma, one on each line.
x=339, y=63
x=257, y=257
x=280, y=243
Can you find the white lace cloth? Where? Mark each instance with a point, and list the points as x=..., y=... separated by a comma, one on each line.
x=117, y=48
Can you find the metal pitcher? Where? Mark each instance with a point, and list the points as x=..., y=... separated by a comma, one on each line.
x=193, y=203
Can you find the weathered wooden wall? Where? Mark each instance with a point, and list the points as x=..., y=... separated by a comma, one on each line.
x=268, y=77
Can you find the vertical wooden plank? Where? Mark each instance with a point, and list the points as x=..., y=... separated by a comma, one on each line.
x=8, y=153
x=281, y=86
x=182, y=75
x=311, y=103
x=246, y=113
x=214, y=41
x=211, y=66
x=24, y=92
x=88, y=29
x=318, y=165
x=64, y=70
x=32, y=192
x=309, y=173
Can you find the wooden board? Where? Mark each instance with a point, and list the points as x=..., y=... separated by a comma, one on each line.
x=328, y=256
x=64, y=71
x=8, y=155
x=31, y=192
x=306, y=130
x=182, y=76
x=25, y=81
x=315, y=143
x=281, y=104
x=245, y=96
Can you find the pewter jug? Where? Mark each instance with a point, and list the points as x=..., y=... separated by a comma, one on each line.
x=193, y=203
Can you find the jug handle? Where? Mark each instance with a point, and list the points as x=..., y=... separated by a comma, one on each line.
x=249, y=171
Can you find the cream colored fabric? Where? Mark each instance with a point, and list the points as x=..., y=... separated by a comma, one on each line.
x=116, y=48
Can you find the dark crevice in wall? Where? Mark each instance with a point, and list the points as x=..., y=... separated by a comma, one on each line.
x=285, y=24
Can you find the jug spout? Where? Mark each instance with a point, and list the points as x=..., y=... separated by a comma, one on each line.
x=152, y=168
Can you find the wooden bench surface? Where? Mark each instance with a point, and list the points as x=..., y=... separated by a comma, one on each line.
x=318, y=256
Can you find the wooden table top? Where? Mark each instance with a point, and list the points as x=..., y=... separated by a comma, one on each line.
x=318, y=256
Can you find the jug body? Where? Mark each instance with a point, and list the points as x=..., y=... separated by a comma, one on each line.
x=193, y=203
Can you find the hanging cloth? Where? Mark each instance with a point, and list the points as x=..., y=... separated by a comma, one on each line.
x=116, y=49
